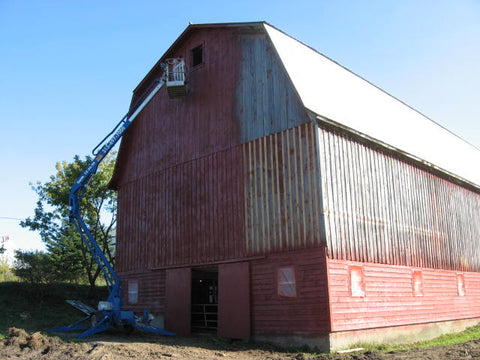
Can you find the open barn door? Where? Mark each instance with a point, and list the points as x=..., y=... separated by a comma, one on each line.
x=234, y=300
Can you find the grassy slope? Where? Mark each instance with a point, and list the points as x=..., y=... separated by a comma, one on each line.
x=472, y=333
x=41, y=307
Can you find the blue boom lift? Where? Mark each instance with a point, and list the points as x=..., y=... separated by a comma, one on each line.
x=110, y=312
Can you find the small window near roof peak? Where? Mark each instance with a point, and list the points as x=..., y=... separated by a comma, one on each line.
x=197, y=56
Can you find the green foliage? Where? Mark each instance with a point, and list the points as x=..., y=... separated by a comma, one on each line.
x=6, y=273
x=36, y=267
x=65, y=248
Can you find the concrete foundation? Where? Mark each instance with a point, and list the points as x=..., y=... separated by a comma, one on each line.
x=343, y=340
x=398, y=334
x=319, y=342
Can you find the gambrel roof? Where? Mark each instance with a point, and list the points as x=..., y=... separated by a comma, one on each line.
x=334, y=94
x=337, y=95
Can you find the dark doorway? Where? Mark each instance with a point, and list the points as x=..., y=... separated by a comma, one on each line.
x=204, y=300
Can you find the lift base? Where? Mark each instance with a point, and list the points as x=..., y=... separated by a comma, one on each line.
x=98, y=321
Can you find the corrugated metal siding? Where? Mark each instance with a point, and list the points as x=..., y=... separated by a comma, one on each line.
x=282, y=195
x=309, y=311
x=389, y=298
x=190, y=213
x=380, y=209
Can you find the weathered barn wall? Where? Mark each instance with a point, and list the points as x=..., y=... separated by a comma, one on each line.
x=389, y=298
x=266, y=101
x=169, y=132
x=282, y=194
x=187, y=214
x=307, y=312
x=381, y=209
x=239, y=93
x=251, y=199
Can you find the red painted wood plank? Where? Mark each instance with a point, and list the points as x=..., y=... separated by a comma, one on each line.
x=177, y=300
x=385, y=305
x=307, y=312
x=234, y=300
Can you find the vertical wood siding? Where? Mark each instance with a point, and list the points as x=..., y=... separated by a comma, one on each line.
x=258, y=197
x=190, y=213
x=240, y=92
x=389, y=298
x=380, y=209
x=168, y=131
x=308, y=312
x=266, y=100
x=282, y=191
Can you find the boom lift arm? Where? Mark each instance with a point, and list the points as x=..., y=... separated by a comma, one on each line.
x=110, y=312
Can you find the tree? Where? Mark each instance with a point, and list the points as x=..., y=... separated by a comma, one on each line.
x=51, y=218
x=35, y=267
x=6, y=273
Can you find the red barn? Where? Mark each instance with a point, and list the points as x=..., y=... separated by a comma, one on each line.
x=285, y=198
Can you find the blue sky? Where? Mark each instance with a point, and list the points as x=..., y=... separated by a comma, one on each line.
x=67, y=68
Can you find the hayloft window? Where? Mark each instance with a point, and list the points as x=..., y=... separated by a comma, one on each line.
x=417, y=283
x=460, y=285
x=197, y=56
x=132, y=291
x=357, y=281
x=286, y=284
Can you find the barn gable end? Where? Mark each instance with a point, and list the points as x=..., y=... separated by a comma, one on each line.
x=239, y=93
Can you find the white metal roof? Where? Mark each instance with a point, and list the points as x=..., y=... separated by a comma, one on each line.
x=337, y=94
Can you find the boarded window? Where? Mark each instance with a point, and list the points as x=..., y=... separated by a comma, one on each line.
x=417, y=283
x=357, y=281
x=132, y=291
x=460, y=285
x=286, y=286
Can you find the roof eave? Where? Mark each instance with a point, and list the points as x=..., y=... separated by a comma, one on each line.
x=394, y=150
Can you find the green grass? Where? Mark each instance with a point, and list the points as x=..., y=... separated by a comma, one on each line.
x=472, y=333
x=41, y=307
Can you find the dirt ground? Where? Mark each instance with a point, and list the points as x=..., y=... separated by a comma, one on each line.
x=21, y=345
